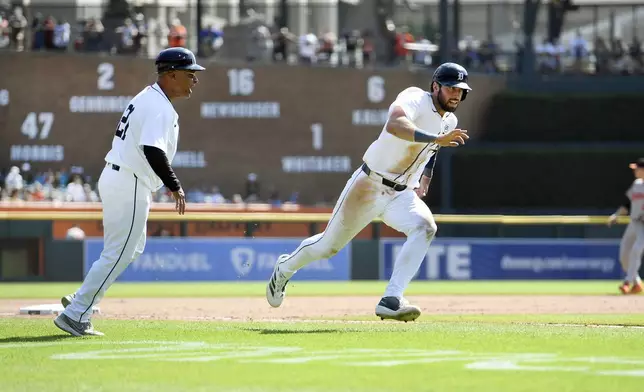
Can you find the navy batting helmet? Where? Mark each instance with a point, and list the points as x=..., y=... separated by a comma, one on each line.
x=452, y=75
x=177, y=59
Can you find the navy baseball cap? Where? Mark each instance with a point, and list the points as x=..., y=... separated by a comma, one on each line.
x=177, y=59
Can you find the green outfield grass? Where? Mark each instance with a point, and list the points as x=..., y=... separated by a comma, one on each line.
x=633, y=319
x=520, y=352
x=302, y=288
x=325, y=357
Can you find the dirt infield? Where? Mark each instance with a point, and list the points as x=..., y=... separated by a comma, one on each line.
x=335, y=307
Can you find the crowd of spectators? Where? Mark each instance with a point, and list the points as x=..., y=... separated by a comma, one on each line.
x=136, y=35
x=353, y=48
x=72, y=185
x=21, y=183
x=607, y=56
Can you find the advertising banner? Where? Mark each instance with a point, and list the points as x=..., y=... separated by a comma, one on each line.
x=186, y=259
x=493, y=259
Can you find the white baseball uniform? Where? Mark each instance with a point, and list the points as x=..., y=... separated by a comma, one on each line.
x=365, y=197
x=126, y=185
x=631, y=247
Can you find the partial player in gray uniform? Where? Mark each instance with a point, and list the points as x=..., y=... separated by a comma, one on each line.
x=632, y=246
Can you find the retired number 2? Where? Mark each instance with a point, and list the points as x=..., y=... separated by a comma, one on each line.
x=124, y=124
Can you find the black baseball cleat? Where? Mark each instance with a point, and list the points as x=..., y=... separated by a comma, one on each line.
x=395, y=308
x=74, y=327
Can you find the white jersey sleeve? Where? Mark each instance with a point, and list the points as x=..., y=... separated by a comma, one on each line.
x=155, y=132
x=411, y=100
x=150, y=119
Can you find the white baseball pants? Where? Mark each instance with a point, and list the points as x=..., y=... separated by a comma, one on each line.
x=363, y=199
x=126, y=206
x=631, y=249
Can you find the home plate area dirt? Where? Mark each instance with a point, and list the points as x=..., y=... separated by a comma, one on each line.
x=317, y=308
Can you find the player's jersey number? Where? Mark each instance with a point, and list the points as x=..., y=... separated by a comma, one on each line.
x=124, y=124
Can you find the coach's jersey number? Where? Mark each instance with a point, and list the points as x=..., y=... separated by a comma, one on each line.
x=124, y=124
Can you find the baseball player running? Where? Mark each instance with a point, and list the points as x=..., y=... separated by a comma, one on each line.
x=396, y=172
x=138, y=164
x=631, y=247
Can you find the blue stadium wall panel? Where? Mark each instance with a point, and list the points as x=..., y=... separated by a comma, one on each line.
x=493, y=259
x=188, y=259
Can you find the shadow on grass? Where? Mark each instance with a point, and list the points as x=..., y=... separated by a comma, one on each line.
x=29, y=339
x=282, y=331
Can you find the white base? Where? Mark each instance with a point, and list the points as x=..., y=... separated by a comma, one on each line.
x=49, y=309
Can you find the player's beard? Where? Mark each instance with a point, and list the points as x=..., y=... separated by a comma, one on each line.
x=444, y=104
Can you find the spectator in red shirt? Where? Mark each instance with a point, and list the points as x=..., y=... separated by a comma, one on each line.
x=402, y=38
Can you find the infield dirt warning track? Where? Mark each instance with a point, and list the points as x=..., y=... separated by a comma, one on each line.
x=256, y=308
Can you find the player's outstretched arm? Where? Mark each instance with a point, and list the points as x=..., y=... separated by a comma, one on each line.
x=403, y=128
x=161, y=166
x=624, y=209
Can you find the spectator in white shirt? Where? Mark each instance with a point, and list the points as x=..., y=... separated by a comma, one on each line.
x=62, y=33
x=13, y=181
x=75, y=190
x=90, y=195
x=128, y=33
x=308, y=47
